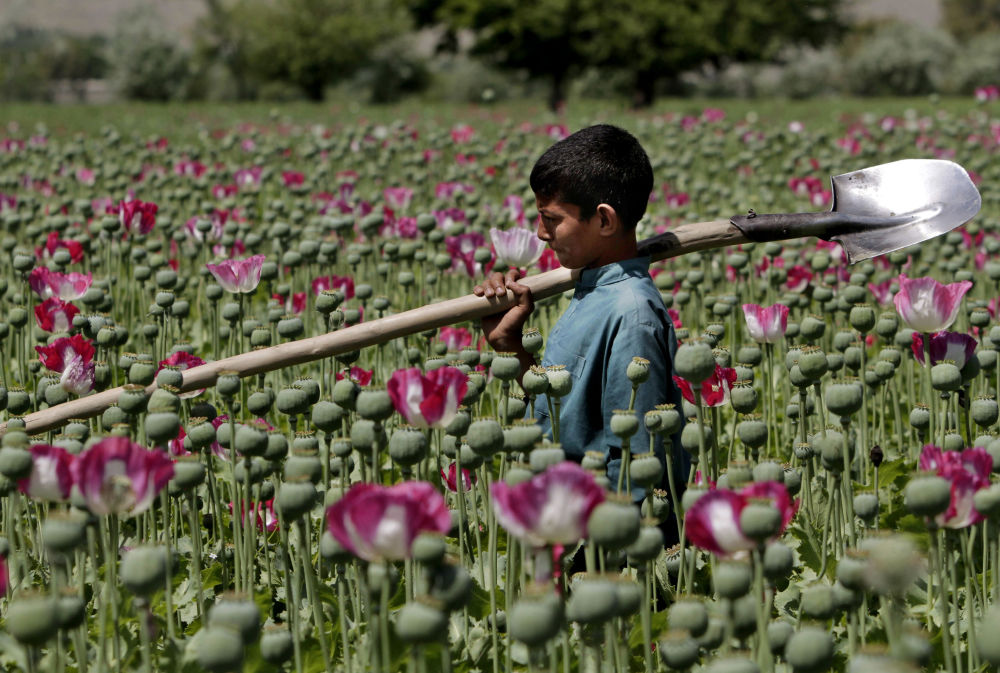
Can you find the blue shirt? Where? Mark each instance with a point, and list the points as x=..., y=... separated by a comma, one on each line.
x=616, y=314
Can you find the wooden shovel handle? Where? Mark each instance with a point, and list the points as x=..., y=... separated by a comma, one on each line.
x=681, y=239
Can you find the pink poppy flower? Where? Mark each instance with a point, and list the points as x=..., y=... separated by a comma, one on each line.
x=294, y=304
x=462, y=249
x=766, y=324
x=293, y=178
x=248, y=178
x=73, y=358
x=881, y=291
x=360, y=376
x=926, y=305
x=343, y=283
x=183, y=361
x=548, y=260
x=55, y=315
x=462, y=133
x=968, y=471
x=713, y=522
x=456, y=338
x=798, y=278
x=67, y=286
x=427, y=400
x=51, y=475
x=397, y=198
x=551, y=508
x=53, y=243
x=380, y=522
x=175, y=447
x=238, y=275
x=714, y=390
x=517, y=246
x=267, y=520
x=451, y=479
x=952, y=346
x=117, y=476
x=137, y=216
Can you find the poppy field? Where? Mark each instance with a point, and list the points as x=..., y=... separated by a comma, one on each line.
x=832, y=506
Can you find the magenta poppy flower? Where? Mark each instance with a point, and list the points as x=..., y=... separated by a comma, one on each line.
x=380, y=522
x=51, y=475
x=137, y=216
x=73, y=358
x=4, y=575
x=333, y=282
x=55, y=315
x=183, y=361
x=117, y=476
x=360, y=376
x=427, y=400
x=175, y=447
x=456, y=338
x=952, y=346
x=53, y=243
x=462, y=250
x=296, y=303
x=517, y=246
x=766, y=324
x=397, y=198
x=248, y=178
x=926, y=305
x=451, y=479
x=293, y=178
x=968, y=471
x=798, y=278
x=713, y=522
x=551, y=508
x=267, y=520
x=238, y=275
x=66, y=286
x=714, y=390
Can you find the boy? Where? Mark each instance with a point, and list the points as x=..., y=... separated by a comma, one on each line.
x=591, y=189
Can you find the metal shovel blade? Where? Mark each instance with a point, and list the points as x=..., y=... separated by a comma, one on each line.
x=901, y=203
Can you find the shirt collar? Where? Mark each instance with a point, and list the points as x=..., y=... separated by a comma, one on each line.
x=613, y=273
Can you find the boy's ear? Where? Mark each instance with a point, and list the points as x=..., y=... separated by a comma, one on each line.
x=610, y=223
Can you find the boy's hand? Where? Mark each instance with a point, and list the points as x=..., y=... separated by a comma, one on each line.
x=503, y=330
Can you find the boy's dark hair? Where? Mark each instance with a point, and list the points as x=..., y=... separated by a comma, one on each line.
x=598, y=164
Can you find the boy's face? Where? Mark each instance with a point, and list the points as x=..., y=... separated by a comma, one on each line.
x=575, y=241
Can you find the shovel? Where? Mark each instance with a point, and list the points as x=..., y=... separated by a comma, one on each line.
x=875, y=211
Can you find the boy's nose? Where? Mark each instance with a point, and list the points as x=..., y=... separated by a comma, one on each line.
x=541, y=232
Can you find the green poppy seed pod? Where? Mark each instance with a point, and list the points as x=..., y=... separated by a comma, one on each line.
x=419, y=621
x=750, y=355
x=141, y=373
x=816, y=602
x=812, y=327
x=259, y=403
x=614, y=524
x=971, y=369
x=292, y=400
x=594, y=460
x=843, y=399
x=813, y=364
x=460, y=424
x=505, y=366
x=18, y=401
x=694, y=362
x=809, y=649
x=987, y=501
x=637, y=370
x=920, y=417
x=15, y=462
x=953, y=442
x=752, y=432
x=743, y=397
x=653, y=420
x=188, y=473
x=845, y=599
x=886, y=326
x=327, y=416
x=862, y=318
x=852, y=568
x=535, y=381
x=536, y=617
x=690, y=614
x=55, y=394
x=987, y=644
x=32, y=618
x=485, y=437
x=531, y=340
x=290, y=327
x=883, y=371
x=144, y=569
x=201, y=432
x=518, y=474
x=303, y=464
x=678, y=649
x=647, y=546
x=946, y=377
x=276, y=645
x=984, y=411
x=17, y=317
x=778, y=634
x=691, y=496
x=624, y=423
x=228, y=384
x=162, y=426
x=592, y=601
x=732, y=579
x=769, y=470
x=170, y=376
x=374, y=404
x=220, y=649
x=760, y=520
x=560, y=381
x=866, y=506
x=70, y=610
x=363, y=435
x=522, y=436
x=63, y=534
x=407, y=446
x=927, y=495
x=429, y=548
x=251, y=440
x=979, y=317
x=331, y=550
x=690, y=437
x=987, y=359
x=542, y=458
x=778, y=561
x=645, y=469
x=345, y=393
x=671, y=418
x=238, y=614
x=628, y=596
x=295, y=498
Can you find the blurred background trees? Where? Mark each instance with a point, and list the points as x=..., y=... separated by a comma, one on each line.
x=486, y=50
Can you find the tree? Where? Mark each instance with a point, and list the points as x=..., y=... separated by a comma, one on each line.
x=313, y=43
x=965, y=18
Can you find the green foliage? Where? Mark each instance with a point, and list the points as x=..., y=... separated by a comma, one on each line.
x=900, y=59
x=147, y=64
x=965, y=18
x=313, y=43
x=30, y=59
x=977, y=64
